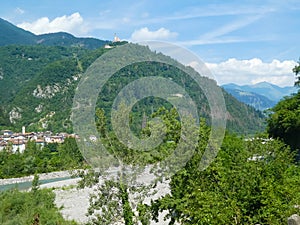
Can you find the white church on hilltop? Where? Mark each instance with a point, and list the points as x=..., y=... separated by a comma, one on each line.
x=116, y=39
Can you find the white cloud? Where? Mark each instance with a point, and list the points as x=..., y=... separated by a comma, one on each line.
x=73, y=24
x=253, y=71
x=145, y=34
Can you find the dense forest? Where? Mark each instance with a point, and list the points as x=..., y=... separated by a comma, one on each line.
x=40, y=82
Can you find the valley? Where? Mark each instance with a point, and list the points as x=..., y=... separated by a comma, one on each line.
x=188, y=176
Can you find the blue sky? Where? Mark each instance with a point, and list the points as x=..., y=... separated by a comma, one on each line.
x=244, y=42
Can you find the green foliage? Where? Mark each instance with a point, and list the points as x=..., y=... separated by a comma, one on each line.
x=45, y=95
x=35, y=183
x=52, y=157
x=19, y=208
x=4, y=119
x=296, y=70
x=40, y=83
x=68, y=40
x=56, y=74
x=144, y=214
x=127, y=210
x=284, y=122
x=111, y=202
x=20, y=64
x=284, y=119
x=130, y=156
x=237, y=111
x=250, y=182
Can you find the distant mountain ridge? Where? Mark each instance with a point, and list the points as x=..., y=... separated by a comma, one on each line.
x=261, y=96
x=11, y=34
x=258, y=101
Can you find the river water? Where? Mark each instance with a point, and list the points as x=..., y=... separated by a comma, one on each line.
x=27, y=184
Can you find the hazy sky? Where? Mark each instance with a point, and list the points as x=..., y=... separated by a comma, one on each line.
x=243, y=42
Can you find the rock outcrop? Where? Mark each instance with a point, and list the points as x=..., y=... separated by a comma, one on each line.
x=294, y=220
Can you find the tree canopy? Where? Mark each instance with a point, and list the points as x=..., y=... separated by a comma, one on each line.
x=284, y=121
x=30, y=207
x=250, y=182
x=296, y=70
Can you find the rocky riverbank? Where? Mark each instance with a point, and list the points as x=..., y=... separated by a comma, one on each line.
x=74, y=202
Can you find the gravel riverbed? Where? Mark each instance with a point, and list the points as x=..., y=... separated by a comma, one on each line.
x=74, y=202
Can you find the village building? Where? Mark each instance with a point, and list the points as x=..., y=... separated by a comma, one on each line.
x=16, y=142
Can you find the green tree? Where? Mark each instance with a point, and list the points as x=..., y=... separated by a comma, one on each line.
x=18, y=208
x=35, y=159
x=296, y=70
x=69, y=153
x=119, y=198
x=35, y=183
x=284, y=122
x=250, y=181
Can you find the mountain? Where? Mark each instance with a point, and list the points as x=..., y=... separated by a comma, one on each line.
x=271, y=91
x=66, y=39
x=37, y=80
x=261, y=95
x=40, y=81
x=39, y=75
x=11, y=34
x=258, y=101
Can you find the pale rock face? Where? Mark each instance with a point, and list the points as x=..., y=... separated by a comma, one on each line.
x=49, y=91
x=45, y=120
x=46, y=92
x=76, y=77
x=39, y=108
x=294, y=220
x=44, y=124
x=15, y=114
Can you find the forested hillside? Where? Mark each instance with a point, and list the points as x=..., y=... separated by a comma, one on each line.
x=39, y=74
x=39, y=84
x=259, y=102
